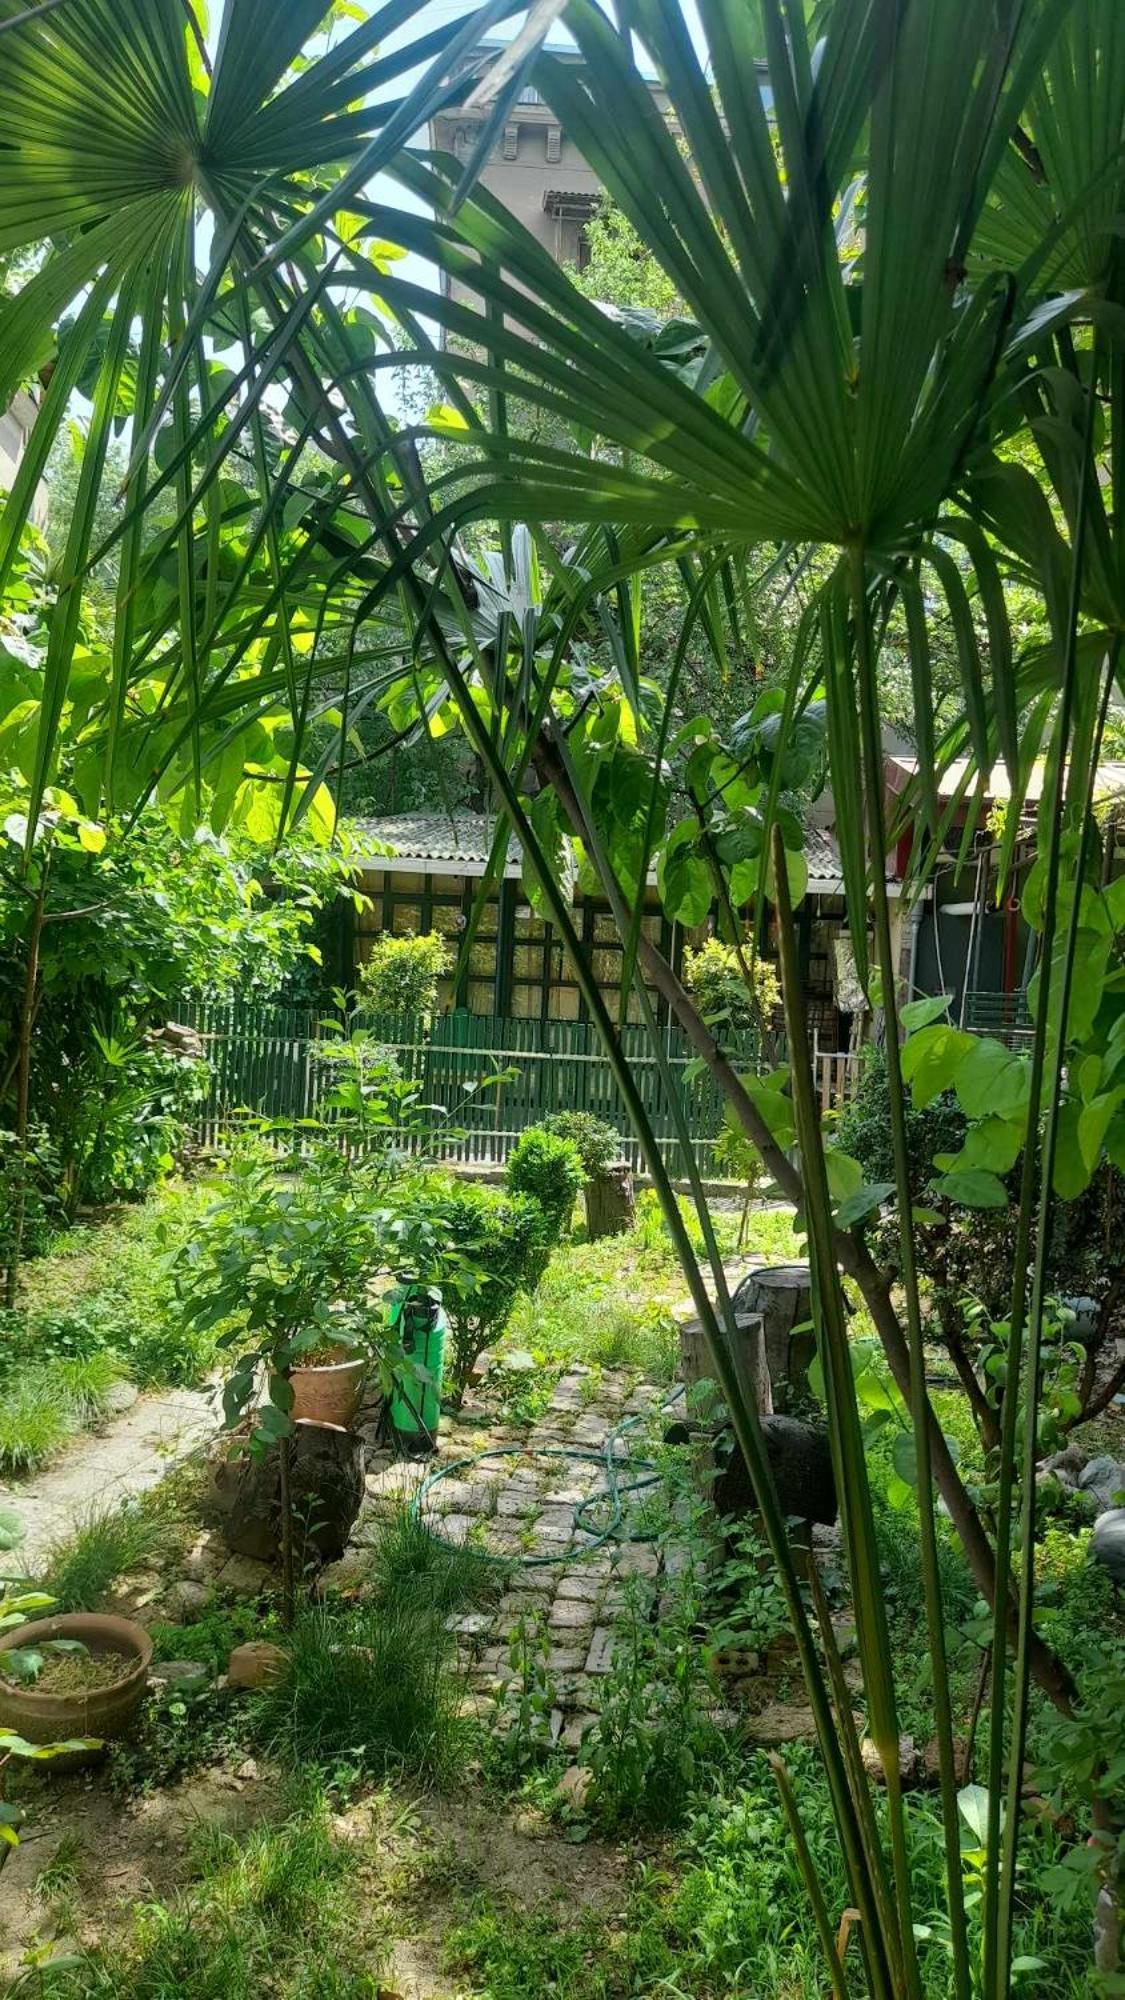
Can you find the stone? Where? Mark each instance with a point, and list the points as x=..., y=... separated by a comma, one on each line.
x=241, y=1576
x=187, y=1677
x=1108, y=1542
x=1105, y=1478
x=203, y=1559
x=873, y=1763
x=257, y=1664
x=781, y=1722
x=186, y=1600
x=326, y=1486
x=573, y=1787
x=565, y=1660
x=352, y=1570
x=119, y=1397
x=929, y=1769
x=600, y=1655
x=586, y=1589
x=1066, y=1465
x=571, y=1614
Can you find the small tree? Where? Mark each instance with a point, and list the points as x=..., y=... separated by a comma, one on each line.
x=734, y=990
x=550, y=1169
x=494, y=1247
x=611, y=1207
x=284, y=1264
x=401, y=974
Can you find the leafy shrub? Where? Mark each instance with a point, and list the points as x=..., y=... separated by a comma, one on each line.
x=598, y=1144
x=864, y=1128
x=716, y=977
x=550, y=1169
x=495, y=1246
x=401, y=974
x=373, y=1688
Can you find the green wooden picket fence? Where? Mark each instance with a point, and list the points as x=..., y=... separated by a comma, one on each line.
x=263, y=1060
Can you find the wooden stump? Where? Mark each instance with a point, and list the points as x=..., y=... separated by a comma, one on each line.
x=611, y=1205
x=749, y=1357
x=783, y=1296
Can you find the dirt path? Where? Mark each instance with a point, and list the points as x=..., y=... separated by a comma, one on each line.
x=130, y=1454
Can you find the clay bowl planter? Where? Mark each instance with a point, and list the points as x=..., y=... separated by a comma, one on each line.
x=329, y=1392
x=103, y=1712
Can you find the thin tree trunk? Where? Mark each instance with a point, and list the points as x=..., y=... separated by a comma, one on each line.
x=23, y=1086
x=285, y=1497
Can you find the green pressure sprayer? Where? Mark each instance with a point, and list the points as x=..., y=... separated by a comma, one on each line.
x=417, y=1317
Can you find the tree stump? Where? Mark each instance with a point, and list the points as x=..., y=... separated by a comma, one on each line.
x=611, y=1205
x=783, y=1297
x=748, y=1355
x=326, y=1486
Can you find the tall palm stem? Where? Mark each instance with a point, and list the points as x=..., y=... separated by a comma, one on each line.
x=872, y=758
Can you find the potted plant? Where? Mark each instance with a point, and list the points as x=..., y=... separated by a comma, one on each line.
x=287, y=1262
x=80, y=1675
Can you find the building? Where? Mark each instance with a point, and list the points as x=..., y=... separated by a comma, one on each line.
x=533, y=168
x=15, y=429
x=971, y=938
x=517, y=968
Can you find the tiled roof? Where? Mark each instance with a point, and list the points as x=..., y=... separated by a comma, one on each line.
x=461, y=843
x=461, y=840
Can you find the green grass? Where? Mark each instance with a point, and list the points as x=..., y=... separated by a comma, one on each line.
x=96, y=1309
x=372, y=1690
x=412, y=1570
x=276, y=1911
x=43, y=1406
x=107, y=1544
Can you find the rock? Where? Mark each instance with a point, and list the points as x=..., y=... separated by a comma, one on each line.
x=257, y=1664
x=241, y=1576
x=573, y=1787
x=119, y=1397
x=186, y=1600
x=188, y=1677
x=203, y=1560
x=873, y=1763
x=326, y=1482
x=1109, y=1542
x=1066, y=1465
x=801, y=1463
x=930, y=1765
x=349, y=1574
x=781, y=1722
x=1105, y=1478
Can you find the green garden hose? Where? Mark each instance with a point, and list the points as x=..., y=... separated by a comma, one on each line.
x=615, y=1491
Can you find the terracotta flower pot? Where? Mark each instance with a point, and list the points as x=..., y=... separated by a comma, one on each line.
x=329, y=1392
x=104, y=1712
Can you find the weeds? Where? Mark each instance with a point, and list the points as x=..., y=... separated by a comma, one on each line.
x=412, y=1569
x=44, y=1406
x=373, y=1688
x=107, y=1544
x=275, y=1910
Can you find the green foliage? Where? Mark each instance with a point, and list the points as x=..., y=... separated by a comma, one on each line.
x=372, y=1688
x=412, y=1568
x=734, y=991
x=581, y=1311
x=46, y=1404
x=549, y=1168
x=494, y=1246
x=598, y=1144
x=522, y=1733
x=277, y=1909
x=863, y=1129
x=401, y=973
x=654, y=1740
x=108, y=1543
x=283, y=1264
x=211, y=1637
